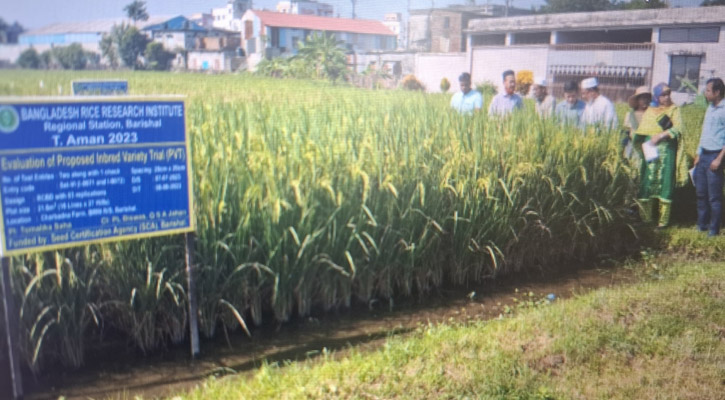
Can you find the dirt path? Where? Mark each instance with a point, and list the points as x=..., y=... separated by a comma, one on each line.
x=128, y=375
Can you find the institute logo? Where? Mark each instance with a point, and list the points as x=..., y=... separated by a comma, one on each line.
x=9, y=119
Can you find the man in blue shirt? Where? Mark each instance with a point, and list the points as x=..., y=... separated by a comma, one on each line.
x=569, y=112
x=467, y=100
x=508, y=101
x=708, y=175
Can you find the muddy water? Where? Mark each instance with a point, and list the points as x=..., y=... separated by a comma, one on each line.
x=125, y=374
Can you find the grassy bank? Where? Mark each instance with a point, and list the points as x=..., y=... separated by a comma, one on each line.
x=662, y=338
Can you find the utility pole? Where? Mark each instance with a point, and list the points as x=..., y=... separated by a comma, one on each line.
x=353, y=8
x=508, y=4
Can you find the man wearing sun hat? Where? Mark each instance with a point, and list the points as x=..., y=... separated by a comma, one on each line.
x=545, y=103
x=599, y=111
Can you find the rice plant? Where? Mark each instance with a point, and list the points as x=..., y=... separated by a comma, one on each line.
x=311, y=197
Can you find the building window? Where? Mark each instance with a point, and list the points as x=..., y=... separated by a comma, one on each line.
x=710, y=34
x=446, y=22
x=532, y=38
x=685, y=69
x=489, y=40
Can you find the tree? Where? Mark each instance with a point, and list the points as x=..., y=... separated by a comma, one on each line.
x=10, y=33
x=157, y=58
x=325, y=55
x=136, y=11
x=46, y=60
x=708, y=3
x=124, y=42
x=29, y=59
x=563, y=6
x=643, y=4
x=70, y=57
x=109, y=50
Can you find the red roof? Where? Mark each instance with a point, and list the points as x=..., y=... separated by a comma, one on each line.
x=313, y=22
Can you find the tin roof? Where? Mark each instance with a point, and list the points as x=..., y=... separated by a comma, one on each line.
x=96, y=26
x=313, y=22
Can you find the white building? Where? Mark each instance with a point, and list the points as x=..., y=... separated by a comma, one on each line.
x=683, y=47
x=394, y=22
x=271, y=34
x=305, y=8
x=229, y=17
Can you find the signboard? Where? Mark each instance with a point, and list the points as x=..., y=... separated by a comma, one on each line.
x=115, y=87
x=77, y=171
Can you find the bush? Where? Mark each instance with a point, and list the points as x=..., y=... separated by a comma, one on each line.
x=157, y=58
x=524, y=80
x=487, y=88
x=70, y=57
x=445, y=85
x=29, y=59
x=410, y=82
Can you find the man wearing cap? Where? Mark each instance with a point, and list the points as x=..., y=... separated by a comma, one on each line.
x=545, y=103
x=570, y=111
x=467, y=101
x=599, y=110
x=508, y=101
x=708, y=175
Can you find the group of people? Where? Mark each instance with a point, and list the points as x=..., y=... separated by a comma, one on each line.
x=652, y=132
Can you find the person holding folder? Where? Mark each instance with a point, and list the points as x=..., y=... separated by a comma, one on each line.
x=656, y=140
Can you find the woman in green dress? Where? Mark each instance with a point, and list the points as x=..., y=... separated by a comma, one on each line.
x=660, y=129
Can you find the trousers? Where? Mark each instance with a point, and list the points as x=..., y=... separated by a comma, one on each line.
x=708, y=186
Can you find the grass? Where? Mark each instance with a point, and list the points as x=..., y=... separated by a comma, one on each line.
x=660, y=338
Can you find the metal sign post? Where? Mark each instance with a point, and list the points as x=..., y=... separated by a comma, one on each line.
x=193, y=307
x=11, y=331
x=93, y=169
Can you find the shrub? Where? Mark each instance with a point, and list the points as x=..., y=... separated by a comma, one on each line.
x=445, y=85
x=487, y=88
x=524, y=80
x=410, y=82
x=29, y=59
x=157, y=58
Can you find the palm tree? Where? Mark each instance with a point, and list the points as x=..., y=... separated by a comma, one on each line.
x=136, y=11
x=324, y=53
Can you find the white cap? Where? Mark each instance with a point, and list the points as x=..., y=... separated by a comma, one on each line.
x=589, y=83
x=540, y=82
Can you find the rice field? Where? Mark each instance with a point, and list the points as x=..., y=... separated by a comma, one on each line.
x=310, y=197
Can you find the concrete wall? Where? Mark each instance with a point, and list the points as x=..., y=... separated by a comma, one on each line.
x=213, y=61
x=627, y=58
x=446, y=39
x=430, y=68
x=490, y=62
x=406, y=60
x=712, y=65
x=175, y=40
x=419, y=32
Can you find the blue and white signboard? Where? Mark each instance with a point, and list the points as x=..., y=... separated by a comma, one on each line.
x=81, y=170
x=94, y=87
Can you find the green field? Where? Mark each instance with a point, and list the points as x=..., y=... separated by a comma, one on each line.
x=661, y=338
x=311, y=197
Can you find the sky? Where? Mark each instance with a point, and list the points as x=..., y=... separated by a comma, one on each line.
x=37, y=13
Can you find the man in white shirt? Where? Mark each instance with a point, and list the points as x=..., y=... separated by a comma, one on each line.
x=467, y=101
x=545, y=103
x=508, y=101
x=599, y=111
